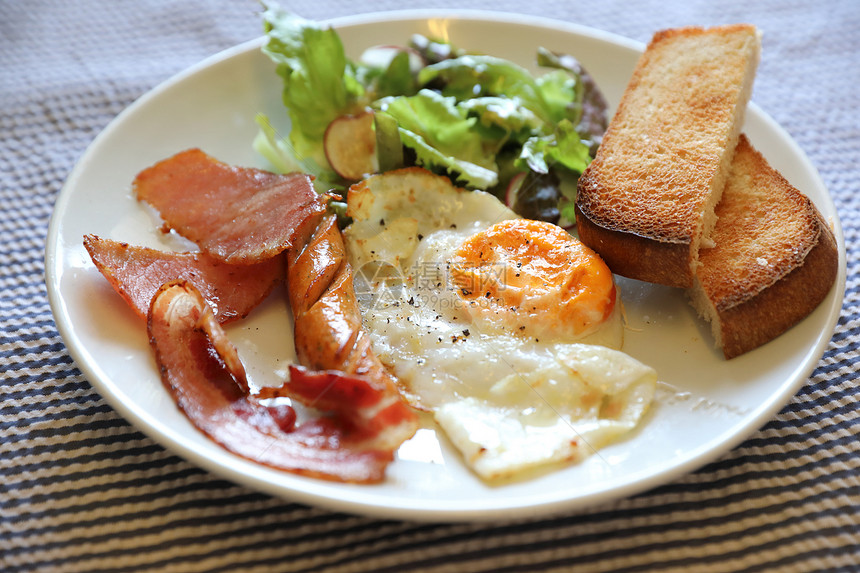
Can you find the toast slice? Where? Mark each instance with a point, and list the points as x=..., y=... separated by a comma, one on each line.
x=646, y=201
x=774, y=259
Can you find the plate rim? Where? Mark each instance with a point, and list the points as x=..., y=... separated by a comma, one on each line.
x=154, y=429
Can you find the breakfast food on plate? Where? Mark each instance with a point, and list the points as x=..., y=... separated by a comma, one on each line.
x=354, y=417
x=484, y=121
x=677, y=196
x=506, y=329
x=202, y=371
x=774, y=259
x=410, y=293
x=524, y=288
x=136, y=273
x=235, y=214
x=646, y=202
x=329, y=335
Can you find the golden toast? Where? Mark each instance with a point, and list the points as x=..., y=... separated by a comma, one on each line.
x=646, y=201
x=774, y=259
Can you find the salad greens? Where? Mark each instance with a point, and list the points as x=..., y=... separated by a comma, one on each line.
x=484, y=121
x=441, y=136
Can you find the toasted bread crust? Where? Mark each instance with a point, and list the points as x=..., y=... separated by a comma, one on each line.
x=663, y=162
x=661, y=261
x=785, y=303
x=774, y=261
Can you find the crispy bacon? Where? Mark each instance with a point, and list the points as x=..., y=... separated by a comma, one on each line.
x=136, y=273
x=200, y=368
x=374, y=415
x=238, y=215
x=329, y=337
x=248, y=217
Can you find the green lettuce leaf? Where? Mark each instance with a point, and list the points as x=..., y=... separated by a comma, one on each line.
x=442, y=137
x=562, y=148
x=561, y=94
x=319, y=81
x=395, y=79
x=512, y=120
x=472, y=76
x=464, y=172
x=591, y=106
x=279, y=153
x=275, y=149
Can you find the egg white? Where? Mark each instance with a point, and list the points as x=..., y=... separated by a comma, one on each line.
x=506, y=401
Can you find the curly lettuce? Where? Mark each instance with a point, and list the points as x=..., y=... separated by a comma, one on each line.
x=479, y=119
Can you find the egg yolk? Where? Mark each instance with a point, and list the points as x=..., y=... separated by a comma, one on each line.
x=533, y=277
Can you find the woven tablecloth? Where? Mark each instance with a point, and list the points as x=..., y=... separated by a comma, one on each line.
x=83, y=490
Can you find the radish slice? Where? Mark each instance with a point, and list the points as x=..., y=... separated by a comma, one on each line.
x=350, y=146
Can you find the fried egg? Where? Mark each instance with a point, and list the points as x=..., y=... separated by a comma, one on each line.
x=508, y=330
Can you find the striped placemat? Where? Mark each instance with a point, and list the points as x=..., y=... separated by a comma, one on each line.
x=82, y=490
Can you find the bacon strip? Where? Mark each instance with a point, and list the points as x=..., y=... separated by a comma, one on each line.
x=329, y=337
x=201, y=370
x=374, y=415
x=136, y=273
x=236, y=214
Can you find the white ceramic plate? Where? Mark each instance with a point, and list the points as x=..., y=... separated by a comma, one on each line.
x=705, y=405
